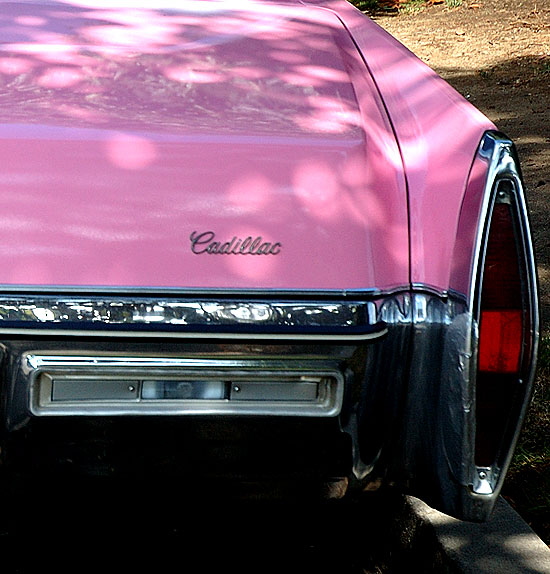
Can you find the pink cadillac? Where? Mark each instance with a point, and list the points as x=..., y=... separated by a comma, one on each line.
x=255, y=240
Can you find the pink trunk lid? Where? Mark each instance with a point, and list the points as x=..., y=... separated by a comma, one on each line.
x=204, y=147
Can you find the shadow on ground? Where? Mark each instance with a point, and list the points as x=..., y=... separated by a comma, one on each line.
x=161, y=528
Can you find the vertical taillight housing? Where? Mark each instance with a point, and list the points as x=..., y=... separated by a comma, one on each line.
x=502, y=308
x=506, y=313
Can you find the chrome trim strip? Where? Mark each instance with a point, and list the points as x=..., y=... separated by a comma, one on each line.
x=231, y=319
x=198, y=335
x=7, y=290
x=55, y=361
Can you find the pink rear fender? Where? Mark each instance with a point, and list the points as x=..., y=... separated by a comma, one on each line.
x=439, y=133
x=205, y=146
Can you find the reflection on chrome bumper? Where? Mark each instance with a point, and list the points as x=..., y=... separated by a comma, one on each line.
x=231, y=319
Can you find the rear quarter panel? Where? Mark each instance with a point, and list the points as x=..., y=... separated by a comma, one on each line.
x=438, y=133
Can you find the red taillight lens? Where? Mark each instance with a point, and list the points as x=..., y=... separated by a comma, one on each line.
x=502, y=303
x=500, y=341
x=504, y=316
x=501, y=272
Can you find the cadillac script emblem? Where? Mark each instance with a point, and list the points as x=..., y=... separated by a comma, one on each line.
x=206, y=243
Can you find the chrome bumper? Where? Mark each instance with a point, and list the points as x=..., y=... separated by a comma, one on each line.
x=394, y=372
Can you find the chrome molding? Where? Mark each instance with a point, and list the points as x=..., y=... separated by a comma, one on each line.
x=503, y=185
x=354, y=321
x=499, y=152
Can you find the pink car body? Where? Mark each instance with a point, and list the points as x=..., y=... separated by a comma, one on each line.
x=208, y=167
x=237, y=87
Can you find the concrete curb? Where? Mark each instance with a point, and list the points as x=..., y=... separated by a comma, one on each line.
x=503, y=545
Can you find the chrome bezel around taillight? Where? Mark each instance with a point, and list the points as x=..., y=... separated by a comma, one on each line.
x=504, y=188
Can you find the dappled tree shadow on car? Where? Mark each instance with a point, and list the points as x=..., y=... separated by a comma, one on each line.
x=169, y=68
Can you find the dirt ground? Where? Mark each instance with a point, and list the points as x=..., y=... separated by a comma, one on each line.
x=497, y=54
